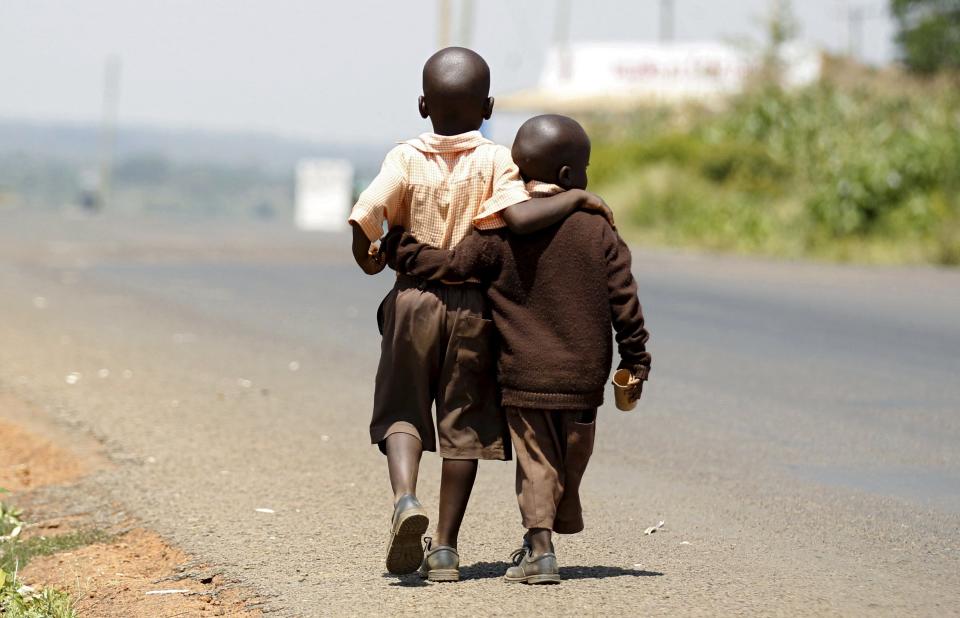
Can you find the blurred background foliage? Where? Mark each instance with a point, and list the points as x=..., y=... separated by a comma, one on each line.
x=864, y=165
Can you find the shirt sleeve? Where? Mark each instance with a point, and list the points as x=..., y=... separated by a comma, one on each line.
x=508, y=189
x=382, y=200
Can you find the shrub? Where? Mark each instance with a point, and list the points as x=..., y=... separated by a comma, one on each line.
x=832, y=163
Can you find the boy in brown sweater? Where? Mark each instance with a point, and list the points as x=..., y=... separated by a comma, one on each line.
x=553, y=295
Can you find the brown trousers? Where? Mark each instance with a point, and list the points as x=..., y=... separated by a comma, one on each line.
x=552, y=448
x=438, y=348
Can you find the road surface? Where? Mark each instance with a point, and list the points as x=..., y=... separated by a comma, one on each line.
x=799, y=437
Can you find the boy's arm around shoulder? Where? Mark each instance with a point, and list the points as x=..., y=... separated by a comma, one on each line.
x=473, y=258
x=523, y=214
x=625, y=310
x=538, y=213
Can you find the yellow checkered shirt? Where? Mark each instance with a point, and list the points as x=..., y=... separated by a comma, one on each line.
x=436, y=186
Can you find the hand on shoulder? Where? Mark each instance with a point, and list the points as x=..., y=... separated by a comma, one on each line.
x=592, y=201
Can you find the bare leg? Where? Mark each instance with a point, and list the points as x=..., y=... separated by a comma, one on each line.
x=403, y=461
x=456, y=483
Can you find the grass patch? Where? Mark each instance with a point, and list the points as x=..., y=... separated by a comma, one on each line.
x=23, y=603
x=16, y=552
x=18, y=600
x=10, y=522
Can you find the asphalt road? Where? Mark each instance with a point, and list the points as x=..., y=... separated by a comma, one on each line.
x=799, y=435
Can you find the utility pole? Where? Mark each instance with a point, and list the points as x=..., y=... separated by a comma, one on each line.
x=666, y=21
x=443, y=24
x=111, y=93
x=561, y=38
x=857, y=16
x=466, y=23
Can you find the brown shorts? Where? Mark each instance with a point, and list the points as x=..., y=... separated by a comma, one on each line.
x=553, y=449
x=438, y=348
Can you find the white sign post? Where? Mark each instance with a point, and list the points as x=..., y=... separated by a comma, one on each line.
x=324, y=194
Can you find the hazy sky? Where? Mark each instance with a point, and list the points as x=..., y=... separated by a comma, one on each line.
x=336, y=71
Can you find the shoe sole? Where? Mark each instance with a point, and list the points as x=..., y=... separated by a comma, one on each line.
x=405, y=551
x=444, y=575
x=534, y=579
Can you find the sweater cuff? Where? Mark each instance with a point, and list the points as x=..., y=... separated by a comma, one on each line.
x=640, y=372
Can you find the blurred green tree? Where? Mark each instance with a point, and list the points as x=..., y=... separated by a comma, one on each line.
x=929, y=33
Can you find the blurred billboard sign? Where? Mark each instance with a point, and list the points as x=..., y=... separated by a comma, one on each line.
x=324, y=194
x=610, y=75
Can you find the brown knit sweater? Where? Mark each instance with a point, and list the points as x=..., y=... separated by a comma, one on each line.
x=553, y=295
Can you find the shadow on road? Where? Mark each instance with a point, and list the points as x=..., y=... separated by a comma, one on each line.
x=407, y=581
x=603, y=572
x=487, y=570
x=491, y=570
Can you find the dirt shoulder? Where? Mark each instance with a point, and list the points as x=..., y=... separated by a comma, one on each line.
x=109, y=563
x=30, y=459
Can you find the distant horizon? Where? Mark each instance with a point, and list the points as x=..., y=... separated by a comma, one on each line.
x=148, y=127
x=78, y=142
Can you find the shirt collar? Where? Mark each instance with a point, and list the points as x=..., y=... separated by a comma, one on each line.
x=537, y=188
x=432, y=142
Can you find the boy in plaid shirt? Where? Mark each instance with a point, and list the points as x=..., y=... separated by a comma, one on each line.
x=437, y=338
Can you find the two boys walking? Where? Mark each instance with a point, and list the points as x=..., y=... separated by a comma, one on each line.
x=516, y=314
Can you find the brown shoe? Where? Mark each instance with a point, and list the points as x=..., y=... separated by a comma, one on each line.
x=404, y=552
x=440, y=563
x=529, y=570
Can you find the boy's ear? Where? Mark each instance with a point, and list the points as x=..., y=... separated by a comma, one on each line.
x=488, y=108
x=422, y=105
x=563, y=177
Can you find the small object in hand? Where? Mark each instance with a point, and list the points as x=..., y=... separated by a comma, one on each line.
x=376, y=255
x=624, y=390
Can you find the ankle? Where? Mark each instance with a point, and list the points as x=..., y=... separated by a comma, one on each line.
x=540, y=540
x=440, y=539
x=397, y=496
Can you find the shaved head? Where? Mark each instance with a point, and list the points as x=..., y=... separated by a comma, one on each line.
x=456, y=72
x=547, y=144
x=456, y=89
